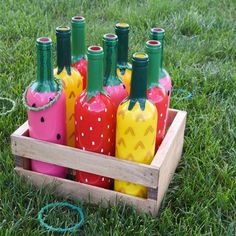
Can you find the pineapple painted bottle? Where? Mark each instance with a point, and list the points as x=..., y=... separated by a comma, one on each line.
x=124, y=69
x=95, y=118
x=112, y=83
x=71, y=79
x=155, y=91
x=136, y=126
x=46, y=105
x=165, y=80
x=79, y=58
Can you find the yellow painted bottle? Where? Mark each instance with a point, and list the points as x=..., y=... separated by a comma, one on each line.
x=136, y=126
x=71, y=78
x=124, y=68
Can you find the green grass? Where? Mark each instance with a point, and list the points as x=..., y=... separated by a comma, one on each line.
x=200, y=56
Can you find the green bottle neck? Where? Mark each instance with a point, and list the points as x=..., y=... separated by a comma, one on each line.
x=153, y=49
x=122, y=31
x=110, y=60
x=44, y=81
x=63, y=34
x=159, y=35
x=95, y=71
x=138, y=92
x=78, y=38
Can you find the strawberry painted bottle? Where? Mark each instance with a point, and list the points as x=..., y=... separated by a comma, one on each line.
x=95, y=118
x=71, y=79
x=124, y=69
x=46, y=103
x=155, y=91
x=79, y=58
x=165, y=80
x=112, y=83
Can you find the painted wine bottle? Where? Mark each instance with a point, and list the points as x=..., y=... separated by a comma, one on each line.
x=124, y=68
x=46, y=105
x=95, y=118
x=165, y=79
x=112, y=83
x=71, y=79
x=136, y=125
x=155, y=91
x=79, y=58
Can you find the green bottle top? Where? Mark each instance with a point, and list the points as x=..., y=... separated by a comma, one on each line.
x=110, y=60
x=44, y=81
x=78, y=38
x=138, y=91
x=122, y=31
x=153, y=49
x=159, y=34
x=63, y=34
x=95, y=71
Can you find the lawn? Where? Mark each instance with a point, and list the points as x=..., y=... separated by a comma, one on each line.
x=200, y=55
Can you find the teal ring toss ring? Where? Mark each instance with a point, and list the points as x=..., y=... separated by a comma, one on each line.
x=13, y=104
x=61, y=230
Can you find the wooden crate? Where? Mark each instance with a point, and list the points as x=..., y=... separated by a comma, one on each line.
x=156, y=176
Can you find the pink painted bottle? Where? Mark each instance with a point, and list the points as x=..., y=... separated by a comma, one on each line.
x=156, y=93
x=112, y=83
x=46, y=105
x=165, y=79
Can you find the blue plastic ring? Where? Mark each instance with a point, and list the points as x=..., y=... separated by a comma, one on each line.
x=61, y=230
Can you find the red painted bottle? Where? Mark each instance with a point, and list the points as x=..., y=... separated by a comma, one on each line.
x=112, y=83
x=95, y=118
x=79, y=58
x=165, y=79
x=155, y=91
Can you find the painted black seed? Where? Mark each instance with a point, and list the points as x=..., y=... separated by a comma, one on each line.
x=33, y=105
x=50, y=99
x=58, y=136
x=168, y=93
x=42, y=119
x=123, y=86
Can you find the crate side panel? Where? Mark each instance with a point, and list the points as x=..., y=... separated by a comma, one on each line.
x=79, y=191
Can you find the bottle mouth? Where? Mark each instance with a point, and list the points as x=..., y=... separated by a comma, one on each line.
x=63, y=30
x=122, y=27
x=44, y=42
x=158, y=31
x=153, y=44
x=139, y=56
x=95, y=50
x=110, y=38
x=78, y=19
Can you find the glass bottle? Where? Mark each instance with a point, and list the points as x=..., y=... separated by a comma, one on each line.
x=112, y=83
x=46, y=105
x=165, y=80
x=155, y=91
x=136, y=125
x=71, y=78
x=79, y=58
x=124, y=68
x=95, y=118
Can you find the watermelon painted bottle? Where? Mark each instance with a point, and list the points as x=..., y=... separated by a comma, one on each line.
x=155, y=91
x=124, y=68
x=112, y=83
x=136, y=126
x=95, y=118
x=159, y=35
x=79, y=58
x=71, y=79
x=46, y=104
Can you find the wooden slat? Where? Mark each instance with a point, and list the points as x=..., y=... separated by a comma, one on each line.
x=85, y=161
x=79, y=191
x=22, y=130
x=169, y=154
